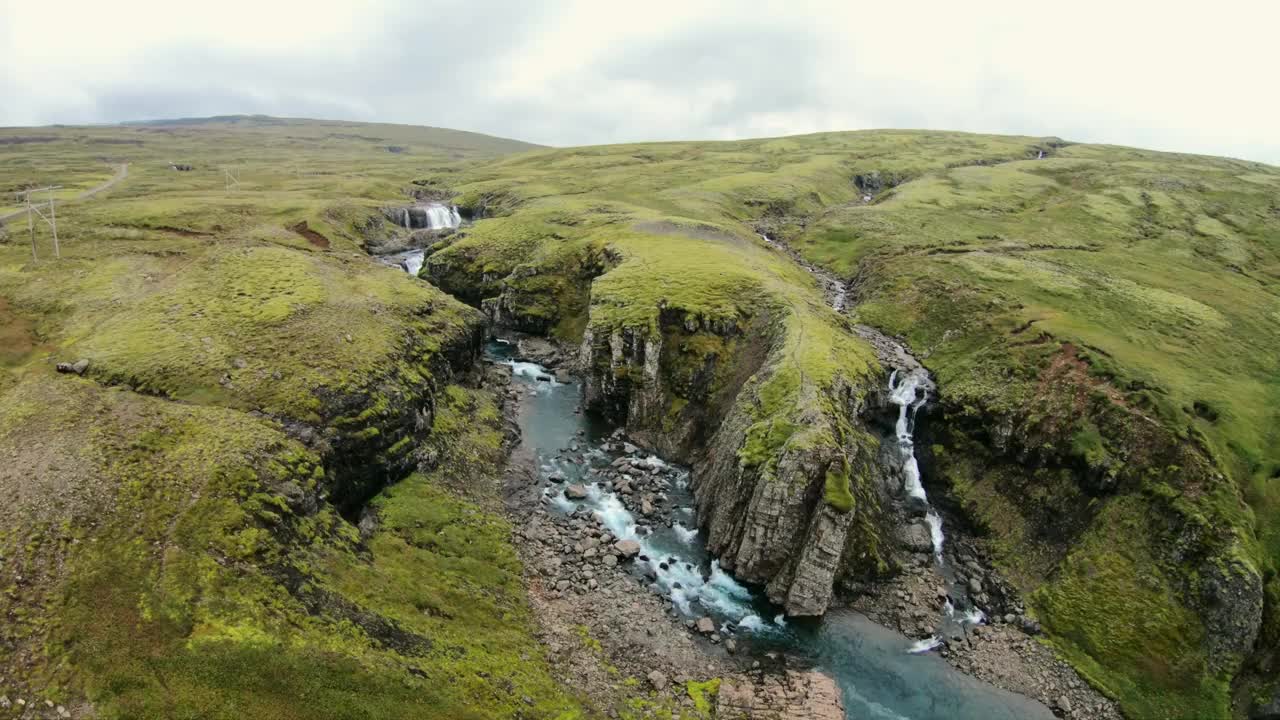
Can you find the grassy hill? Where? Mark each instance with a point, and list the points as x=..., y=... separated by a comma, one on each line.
x=172, y=542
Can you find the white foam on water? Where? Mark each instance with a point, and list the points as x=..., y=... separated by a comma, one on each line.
x=559, y=501
x=724, y=582
x=780, y=620
x=686, y=535
x=924, y=645
x=412, y=263
x=533, y=371
x=935, y=532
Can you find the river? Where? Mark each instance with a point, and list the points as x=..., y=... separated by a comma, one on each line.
x=878, y=674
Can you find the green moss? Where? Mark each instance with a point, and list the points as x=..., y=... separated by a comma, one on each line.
x=1114, y=612
x=702, y=693
x=836, y=491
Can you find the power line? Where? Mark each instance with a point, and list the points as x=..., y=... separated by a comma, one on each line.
x=33, y=209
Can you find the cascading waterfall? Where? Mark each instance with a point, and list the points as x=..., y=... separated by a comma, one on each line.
x=910, y=394
x=412, y=262
x=433, y=216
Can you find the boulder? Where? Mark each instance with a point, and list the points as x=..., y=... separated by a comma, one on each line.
x=78, y=367
x=915, y=537
x=576, y=492
x=706, y=625
x=658, y=680
x=627, y=548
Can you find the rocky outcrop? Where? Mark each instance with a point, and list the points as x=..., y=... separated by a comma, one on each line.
x=368, y=433
x=1268, y=709
x=795, y=695
x=673, y=385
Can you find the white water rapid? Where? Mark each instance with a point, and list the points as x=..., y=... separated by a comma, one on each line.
x=412, y=262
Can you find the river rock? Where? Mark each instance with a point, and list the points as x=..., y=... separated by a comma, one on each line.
x=915, y=537
x=78, y=367
x=706, y=625
x=627, y=548
x=576, y=492
x=658, y=680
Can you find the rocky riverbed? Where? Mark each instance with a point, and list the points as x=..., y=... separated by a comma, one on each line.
x=610, y=631
x=613, y=606
x=1003, y=650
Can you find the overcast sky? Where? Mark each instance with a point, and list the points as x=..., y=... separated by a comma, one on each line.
x=1171, y=75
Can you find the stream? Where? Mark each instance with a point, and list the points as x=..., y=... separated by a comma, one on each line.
x=584, y=467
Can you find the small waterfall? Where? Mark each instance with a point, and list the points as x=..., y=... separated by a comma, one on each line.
x=433, y=216
x=909, y=394
x=412, y=262
x=440, y=217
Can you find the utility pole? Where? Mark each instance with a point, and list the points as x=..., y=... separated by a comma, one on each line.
x=52, y=220
x=233, y=182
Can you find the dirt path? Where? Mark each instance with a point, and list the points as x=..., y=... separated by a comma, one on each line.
x=121, y=173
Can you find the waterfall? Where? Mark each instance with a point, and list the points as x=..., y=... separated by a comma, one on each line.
x=413, y=262
x=909, y=393
x=440, y=217
x=432, y=216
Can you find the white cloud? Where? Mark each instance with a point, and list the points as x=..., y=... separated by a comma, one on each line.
x=1197, y=78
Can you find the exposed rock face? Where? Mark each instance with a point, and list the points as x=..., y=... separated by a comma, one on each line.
x=1231, y=604
x=367, y=448
x=769, y=526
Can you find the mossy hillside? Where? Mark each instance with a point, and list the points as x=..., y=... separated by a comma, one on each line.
x=173, y=284
x=198, y=584
x=199, y=532
x=1153, y=276
x=1165, y=264
x=1115, y=612
x=670, y=219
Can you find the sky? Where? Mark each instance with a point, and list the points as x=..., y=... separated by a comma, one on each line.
x=1191, y=77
